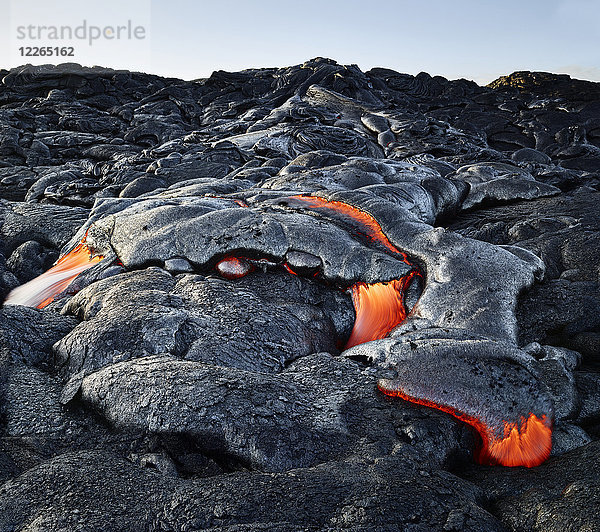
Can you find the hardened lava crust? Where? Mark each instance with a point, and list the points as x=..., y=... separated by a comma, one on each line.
x=302, y=298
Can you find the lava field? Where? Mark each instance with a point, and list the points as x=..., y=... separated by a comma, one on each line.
x=302, y=298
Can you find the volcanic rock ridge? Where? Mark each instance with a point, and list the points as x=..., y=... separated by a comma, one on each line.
x=301, y=298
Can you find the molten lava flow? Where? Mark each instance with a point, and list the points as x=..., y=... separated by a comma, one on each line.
x=42, y=290
x=527, y=443
x=524, y=443
x=369, y=225
x=379, y=307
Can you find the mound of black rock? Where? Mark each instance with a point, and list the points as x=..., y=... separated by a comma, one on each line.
x=159, y=391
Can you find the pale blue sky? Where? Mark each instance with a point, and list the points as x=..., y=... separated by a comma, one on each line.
x=474, y=39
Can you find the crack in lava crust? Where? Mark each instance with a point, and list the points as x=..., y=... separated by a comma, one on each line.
x=379, y=307
x=371, y=229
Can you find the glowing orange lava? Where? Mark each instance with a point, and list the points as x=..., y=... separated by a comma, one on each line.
x=42, y=290
x=379, y=307
x=369, y=225
x=524, y=443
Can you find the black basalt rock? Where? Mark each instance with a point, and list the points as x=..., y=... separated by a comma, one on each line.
x=203, y=362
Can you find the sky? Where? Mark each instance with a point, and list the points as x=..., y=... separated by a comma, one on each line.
x=472, y=39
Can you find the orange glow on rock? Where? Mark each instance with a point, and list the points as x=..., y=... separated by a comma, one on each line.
x=42, y=290
x=379, y=307
x=526, y=442
x=233, y=267
x=369, y=225
x=287, y=268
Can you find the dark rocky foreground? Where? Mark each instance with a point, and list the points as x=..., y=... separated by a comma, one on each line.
x=157, y=394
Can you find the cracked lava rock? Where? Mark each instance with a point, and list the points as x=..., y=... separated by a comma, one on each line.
x=303, y=298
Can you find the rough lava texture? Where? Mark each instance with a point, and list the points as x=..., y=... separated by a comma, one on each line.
x=197, y=377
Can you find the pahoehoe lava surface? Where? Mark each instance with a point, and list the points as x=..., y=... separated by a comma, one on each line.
x=302, y=298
